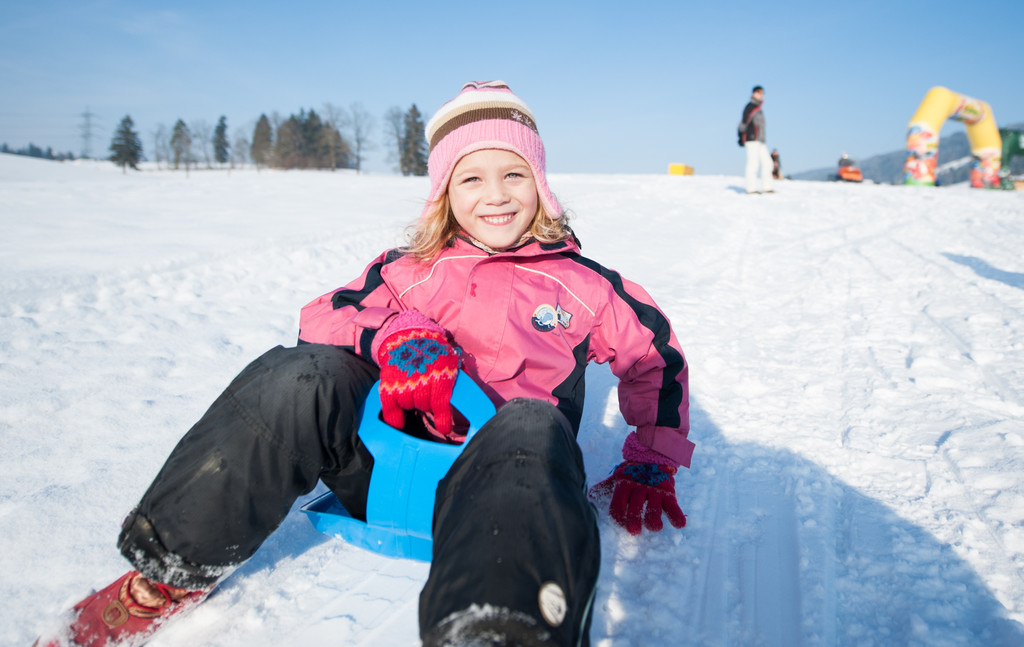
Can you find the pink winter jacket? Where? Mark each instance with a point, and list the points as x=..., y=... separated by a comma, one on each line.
x=528, y=321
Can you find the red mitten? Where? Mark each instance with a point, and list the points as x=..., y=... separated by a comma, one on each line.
x=642, y=491
x=642, y=488
x=418, y=367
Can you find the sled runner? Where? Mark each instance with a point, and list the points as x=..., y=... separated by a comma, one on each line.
x=406, y=471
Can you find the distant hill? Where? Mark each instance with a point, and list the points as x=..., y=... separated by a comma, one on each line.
x=954, y=164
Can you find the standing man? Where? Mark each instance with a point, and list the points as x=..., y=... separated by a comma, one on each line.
x=752, y=137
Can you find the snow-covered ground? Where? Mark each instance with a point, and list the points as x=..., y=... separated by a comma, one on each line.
x=857, y=367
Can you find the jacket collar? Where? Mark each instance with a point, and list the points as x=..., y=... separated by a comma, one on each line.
x=528, y=249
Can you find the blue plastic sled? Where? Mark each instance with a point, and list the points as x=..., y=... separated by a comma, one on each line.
x=406, y=471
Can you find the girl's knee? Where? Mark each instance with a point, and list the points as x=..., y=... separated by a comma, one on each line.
x=543, y=413
x=314, y=364
x=532, y=426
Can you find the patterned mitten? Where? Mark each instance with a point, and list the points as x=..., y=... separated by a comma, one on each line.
x=418, y=367
x=641, y=490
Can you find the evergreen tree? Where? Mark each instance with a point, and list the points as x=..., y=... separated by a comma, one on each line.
x=335, y=149
x=288, y=143
x=262, y=142
x=220, y=141
x=181, y=144
x=413, y=149
x=305, y=141
x=126, y=147
x=311, y=147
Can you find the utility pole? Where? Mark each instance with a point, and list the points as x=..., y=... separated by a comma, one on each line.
x=86, y=129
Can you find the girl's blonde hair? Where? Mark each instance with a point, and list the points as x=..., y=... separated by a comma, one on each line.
x=436, y=229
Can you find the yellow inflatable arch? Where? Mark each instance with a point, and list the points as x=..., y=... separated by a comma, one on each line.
x=939, y=105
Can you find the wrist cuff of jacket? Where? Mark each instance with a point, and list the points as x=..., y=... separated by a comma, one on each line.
x=404, y=320
x=633, y=450
x=670, y=442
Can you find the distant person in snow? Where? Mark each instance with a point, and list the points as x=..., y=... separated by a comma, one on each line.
x=776, y=165
x=752, y=137
x=491, y=283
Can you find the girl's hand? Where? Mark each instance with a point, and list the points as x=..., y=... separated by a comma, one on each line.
x=641, y=492
x=418, y=367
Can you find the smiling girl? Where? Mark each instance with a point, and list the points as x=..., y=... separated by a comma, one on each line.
x=492, y=284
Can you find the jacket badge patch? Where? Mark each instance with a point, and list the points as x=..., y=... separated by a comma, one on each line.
x=545, y=318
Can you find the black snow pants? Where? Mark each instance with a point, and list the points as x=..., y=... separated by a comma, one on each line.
x=516, y=547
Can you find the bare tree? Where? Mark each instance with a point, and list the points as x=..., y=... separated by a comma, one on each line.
x=394, y=132
x=335, y=146
x=202, y=138
x=240, y=147
x=161, y=145
x=276, y=121
x=360, y=125
x=335, y=115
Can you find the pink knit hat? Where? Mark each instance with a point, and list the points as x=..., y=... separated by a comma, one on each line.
x=485, y=114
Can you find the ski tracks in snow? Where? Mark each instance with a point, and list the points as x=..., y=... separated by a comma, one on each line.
x=817, y=405
x=187, y=324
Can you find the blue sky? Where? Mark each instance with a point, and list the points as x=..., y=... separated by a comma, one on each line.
x=614, y=89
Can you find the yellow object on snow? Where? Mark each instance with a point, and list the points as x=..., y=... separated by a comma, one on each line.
x=940, y=104
x=680, y=169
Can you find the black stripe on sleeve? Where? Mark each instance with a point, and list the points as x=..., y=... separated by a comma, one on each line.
x=670, y=394
x=374, y=280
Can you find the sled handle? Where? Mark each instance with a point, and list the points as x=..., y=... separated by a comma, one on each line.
x=467, y=397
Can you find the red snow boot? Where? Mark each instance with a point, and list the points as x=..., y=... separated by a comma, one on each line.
x=115, y=616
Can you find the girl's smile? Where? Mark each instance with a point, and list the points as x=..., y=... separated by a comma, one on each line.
x=493, y=197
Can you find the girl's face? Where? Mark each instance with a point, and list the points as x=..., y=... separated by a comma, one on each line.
x=493, y=196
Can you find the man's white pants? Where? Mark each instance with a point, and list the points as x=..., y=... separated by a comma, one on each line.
x=757, y=154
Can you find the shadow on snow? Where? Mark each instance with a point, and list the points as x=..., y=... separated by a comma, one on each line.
x=984, y=270
x=777, y=551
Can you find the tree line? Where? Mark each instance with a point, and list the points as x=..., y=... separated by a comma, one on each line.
x=34, y=151
x=336, y=138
